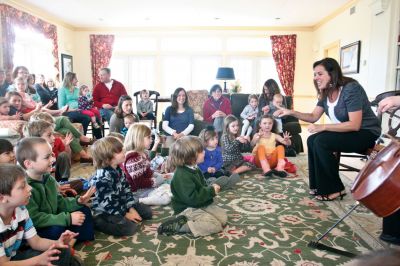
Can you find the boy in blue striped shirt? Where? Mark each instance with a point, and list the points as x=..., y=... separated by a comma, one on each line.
x=15, y=225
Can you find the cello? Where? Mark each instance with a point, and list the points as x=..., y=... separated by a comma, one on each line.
x=377, y=186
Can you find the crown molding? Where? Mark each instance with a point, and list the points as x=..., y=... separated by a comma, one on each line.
x=195, y=28
x=23, y=6
x=334, y=14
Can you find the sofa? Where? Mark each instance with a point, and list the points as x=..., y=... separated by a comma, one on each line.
x=196, y=99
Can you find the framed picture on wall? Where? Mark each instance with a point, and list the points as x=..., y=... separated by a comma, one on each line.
x=350, y=58
x=66, y=64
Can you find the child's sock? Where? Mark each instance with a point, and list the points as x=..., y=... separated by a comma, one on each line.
x=281, y=165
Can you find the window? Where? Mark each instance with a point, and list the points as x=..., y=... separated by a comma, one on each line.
x=165, y=62
x=176, y=72
x=267, y=70
x=204, y=71
x=128, y=44
x=142, y=73
x=135, y=72
x=244, y=69
x=191, y=44
x=250, y=44
x=34, y=50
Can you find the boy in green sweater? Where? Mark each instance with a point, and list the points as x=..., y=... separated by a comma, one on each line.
x=51, y=213
x=192, y=200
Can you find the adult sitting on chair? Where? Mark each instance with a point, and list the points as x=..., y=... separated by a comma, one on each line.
x=354, y=127
x=390, y=227
x=123, y=109
x=270, y=88
x=68, y=96
x=107, y=93
x=216, y=108
x=179, y=118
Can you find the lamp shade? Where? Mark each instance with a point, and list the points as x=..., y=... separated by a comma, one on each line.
x=225, y=73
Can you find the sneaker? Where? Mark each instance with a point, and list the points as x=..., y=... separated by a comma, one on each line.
x=172, y=226
x=95, y=125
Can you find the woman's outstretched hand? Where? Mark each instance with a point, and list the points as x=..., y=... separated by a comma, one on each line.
x=282, y=112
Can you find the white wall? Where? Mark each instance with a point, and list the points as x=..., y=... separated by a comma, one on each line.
x=377, y=46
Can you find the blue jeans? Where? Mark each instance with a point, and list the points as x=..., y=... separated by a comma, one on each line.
x=86, y=230
x=106, y=114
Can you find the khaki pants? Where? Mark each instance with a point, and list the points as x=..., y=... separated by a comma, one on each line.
x=205, y=221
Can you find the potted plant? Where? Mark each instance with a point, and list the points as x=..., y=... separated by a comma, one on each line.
x=236, y=87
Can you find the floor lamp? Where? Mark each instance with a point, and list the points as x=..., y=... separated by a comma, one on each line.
x=225, y=73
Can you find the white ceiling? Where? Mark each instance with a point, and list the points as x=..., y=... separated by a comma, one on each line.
x=184, y=13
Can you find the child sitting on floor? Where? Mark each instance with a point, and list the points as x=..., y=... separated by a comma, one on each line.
x=63, y=125
x=212, y=165
x=142, y=179
x=117, y=211
x=193, y=200
x=232, y=144
x=60, y=147
x=51, y=213
x=16, y=226
x=267, y=154
x=5, y=110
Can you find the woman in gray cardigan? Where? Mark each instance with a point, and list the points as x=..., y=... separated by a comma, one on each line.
x=123, y=108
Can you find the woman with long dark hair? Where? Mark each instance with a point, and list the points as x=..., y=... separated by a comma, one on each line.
x=270, y=88
x=354, y=127
x=179, y=118
x=123, y=109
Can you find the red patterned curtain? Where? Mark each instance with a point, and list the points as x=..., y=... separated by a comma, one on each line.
x=100, y=53
x=284, y=53
x=10, y=17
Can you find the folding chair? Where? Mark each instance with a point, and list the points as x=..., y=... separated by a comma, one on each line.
x=392, y=131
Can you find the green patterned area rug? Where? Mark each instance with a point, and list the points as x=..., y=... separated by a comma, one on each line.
x=270, y=223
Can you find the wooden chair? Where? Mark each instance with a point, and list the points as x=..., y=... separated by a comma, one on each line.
x=153, y=95
x=392, y=131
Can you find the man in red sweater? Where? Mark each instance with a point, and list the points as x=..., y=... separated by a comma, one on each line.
x=106, y=93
